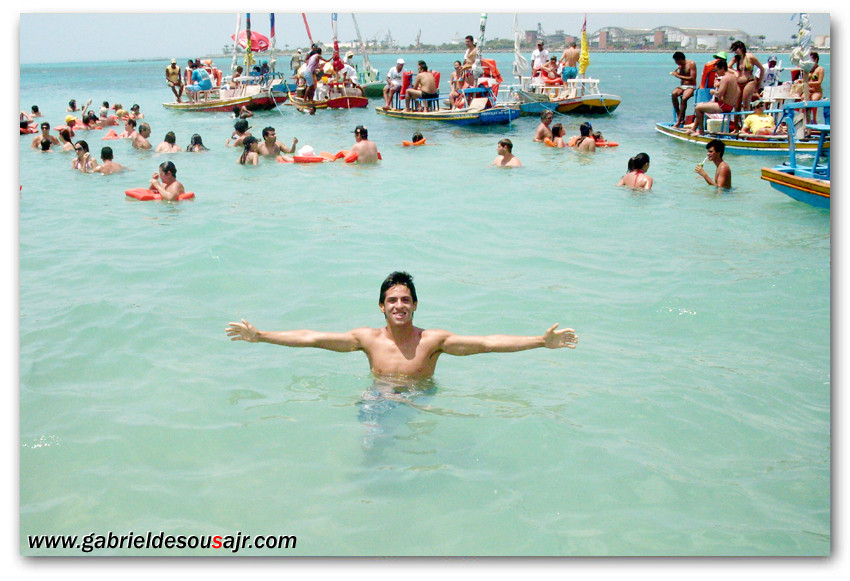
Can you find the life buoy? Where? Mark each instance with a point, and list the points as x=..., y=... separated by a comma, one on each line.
x=308, y=159
x=26, y=130
x=145, y=195
x=352, y=157
x=409, y=143
x=607, y=144
x=111, y=135
x=549, y=142
x=551, y=82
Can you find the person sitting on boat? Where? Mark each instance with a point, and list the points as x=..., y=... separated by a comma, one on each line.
x=749, y=83
x=196, y=144
x=365, y=150
x=108, y=165
x=505, y=156
x=165, y=182
x=569, y=62
x=723, y=174
x=759, y=122
x=271, y=147
x=457, y=84
x=584, y=141
x=543, y=132
x=469, y=57
x=395, y=77
x=174, y=79
x=636, y=173
x=686, y=72
x=424, y=86
x=45, y=134
x=240, y=132
x=348, y=74
x=725, y=97
x=539, y=58
x=251, y=153
x=140, y=139
x=201, y=81
x=549, y=71
x=169, y=144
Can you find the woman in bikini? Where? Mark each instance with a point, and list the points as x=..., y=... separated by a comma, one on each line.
x=636, y=176
x=251, y=154
x=815, y=86
x=83, y=162
x=745, y=64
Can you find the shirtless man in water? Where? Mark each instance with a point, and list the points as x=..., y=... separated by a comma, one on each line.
x=401, y=349
x=543, y=131
x=271, y=147
x=367, y=151
x=165, y=182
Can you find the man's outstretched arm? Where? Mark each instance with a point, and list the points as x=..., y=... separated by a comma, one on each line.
x=342, y=342
x=470, y=345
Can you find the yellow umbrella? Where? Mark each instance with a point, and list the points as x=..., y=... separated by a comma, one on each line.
x=584, y=57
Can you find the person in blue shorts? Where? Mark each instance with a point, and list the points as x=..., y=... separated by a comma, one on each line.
x=200, y=82
x=569, y=60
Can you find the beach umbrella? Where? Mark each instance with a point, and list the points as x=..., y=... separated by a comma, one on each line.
x=584, y=57
x=259, y=42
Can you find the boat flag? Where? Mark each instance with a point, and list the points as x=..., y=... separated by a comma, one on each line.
x=584, y=57
x=307, y=26
x=249, y=58
x=273, y=61
x=337, y=61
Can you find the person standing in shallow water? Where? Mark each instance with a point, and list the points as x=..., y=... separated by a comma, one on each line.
x=723, y=173
x=401, y=349
x=636, y=175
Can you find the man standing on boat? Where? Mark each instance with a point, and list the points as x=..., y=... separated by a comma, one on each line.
x=424, y=87
x=725, y=97
x=469, y=60
x=723, y=174
x=365, y=150
x=174, y=79
x=394, y=81
x=539, y=58
x=687, y=75
x=569, y=60
x=295, y=62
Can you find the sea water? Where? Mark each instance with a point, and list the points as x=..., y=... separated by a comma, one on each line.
x=692, y=419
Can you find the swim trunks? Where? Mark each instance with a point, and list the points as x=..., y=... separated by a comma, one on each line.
x=725, y=108
x=308, y=77
x=430, y=95
x=569, y=73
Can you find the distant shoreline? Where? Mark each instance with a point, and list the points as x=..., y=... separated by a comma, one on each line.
x=499, y=51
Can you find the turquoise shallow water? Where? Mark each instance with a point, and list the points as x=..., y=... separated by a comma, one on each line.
x=693, y=419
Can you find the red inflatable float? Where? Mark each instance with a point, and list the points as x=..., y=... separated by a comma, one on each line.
x=145, y=195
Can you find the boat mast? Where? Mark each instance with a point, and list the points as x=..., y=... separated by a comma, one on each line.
x=233, y=65
x=477, y=68
x=249, y=57
x=273, y=58
x=584, y=57
x=520, y=62
x=370, y=74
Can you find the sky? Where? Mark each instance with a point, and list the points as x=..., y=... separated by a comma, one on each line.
x=97, y=35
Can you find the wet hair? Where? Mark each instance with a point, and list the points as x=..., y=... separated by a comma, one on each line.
x=247, y=142
x=144, y=126
x=170, y=138
x=721, y=64
x=241, y=126
x=45, y=125
x=168, y=167
x=638, y=161
x=134, y=107
x=558, y=130
x=45, y=145
x=717, y=145
x=236, y=111
x=417, y=137
x=106, y=104
x=507, y=143
x=34, y=108
x=196, y=141
x=423, y=65
x=815, y=56
x=738, y=44
x=131, y=122
x=547, y=113
x=82, y=144
x=362, y=132
x=678, y=56
x=397, y=278
x=106, y=153
x=598, y=136
x=72, y=103
x=268, y=130
x=585, y=129
x=65, y=134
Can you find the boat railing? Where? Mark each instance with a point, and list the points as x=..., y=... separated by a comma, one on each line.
x=792, y=111
x=573, y=88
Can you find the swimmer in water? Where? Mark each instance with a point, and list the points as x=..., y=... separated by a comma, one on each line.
x=400, y=349
x=636, y=175
x=505, y=156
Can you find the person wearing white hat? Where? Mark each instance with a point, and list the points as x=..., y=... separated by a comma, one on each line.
x=295, y=61
x=174, y=79
x=348, y=74
x=394, y=80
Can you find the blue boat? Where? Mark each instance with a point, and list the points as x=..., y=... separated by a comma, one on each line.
x=802, y=180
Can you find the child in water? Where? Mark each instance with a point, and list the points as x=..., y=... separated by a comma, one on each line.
x=636, y=176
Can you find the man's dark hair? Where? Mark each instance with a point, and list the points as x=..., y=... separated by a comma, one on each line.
x=718, y=146
x=397, y=277
x=678, y=56
x=268, y=130
x=168, y=167
x=106, y=153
